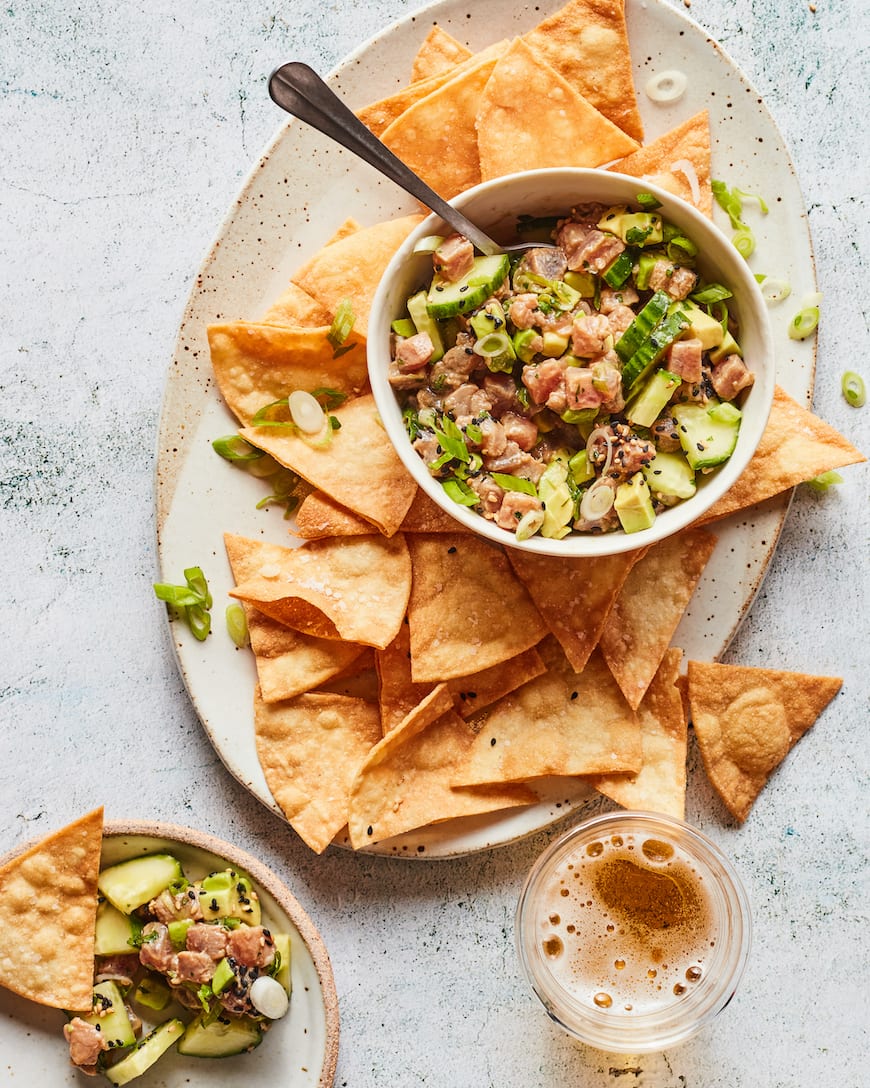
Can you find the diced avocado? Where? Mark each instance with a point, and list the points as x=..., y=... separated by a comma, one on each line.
x=152, y=993
x=489, y=325
x=229, y=894
x=522, y=342
x=633, y=504
x=634, y=228
x=115, y=931
x=178, y=932
x=638, y=331
x=110, y=1016
x=129, y=884
x=670, y=474
x=284, y=950
x=644, y=409
x=579, y=415
x=146, y=1053
x=701, y=326
x=489, y=318
x=221, y=1038
x=729, y=346
x=707, y=438
x=447, y=298
x=223, y=976
x=554, y=493
x=582, y=282
x=554, y=345
x=646, y=262
x=652, y=349
x=580, y=468
x=424, y=323
x=609, y=221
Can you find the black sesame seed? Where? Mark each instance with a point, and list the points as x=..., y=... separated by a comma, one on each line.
x=369, y=830
x=451, y=550
x=492, y=742
x=574, y=695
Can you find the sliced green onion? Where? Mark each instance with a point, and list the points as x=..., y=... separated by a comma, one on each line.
x=729, y=202
x=196, y=581
x=824, y=480
x=192, y=600
x=648, y=202
x=666, y=87
x=492, y=345
x=305, y=411
x=529, y=524
x=459, y=492
x=261, y=416
x=804, y=323
x=742, y=194
x=237, y=625
x=681, y=249
x=176, y=596
x=854, y=389
x=199, y=621
x=743, y=241
x=328, y=398
x=452, y=440
x=342, y=323
x=232, y=447
x=474, y=433
x=428, y=244
x=514, y=483
x=774, y=289
x=265, y=467
x=597, y=501
x=713, y=292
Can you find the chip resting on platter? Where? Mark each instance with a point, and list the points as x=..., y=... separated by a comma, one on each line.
x=440, y=52
x=747, y=720
x=568, y=130
x=406, y=780
x=649, y=607
x=310, y=749
x=357, y=466
x=660, y=784
x=296, y=308
x=562, y=723
x=467, y=610
x=48, y=914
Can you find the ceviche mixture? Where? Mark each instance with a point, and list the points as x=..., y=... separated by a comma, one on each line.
x=581, y=388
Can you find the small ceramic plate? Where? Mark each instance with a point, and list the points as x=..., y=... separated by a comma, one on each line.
x=298, y=194
x=299, y=1051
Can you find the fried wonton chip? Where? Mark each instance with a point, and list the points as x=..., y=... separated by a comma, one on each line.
x=288, y=662
x=351, y=268
x=747, y=720
x=295, y=308
x=437, y=137
x=587, y=43
x=468, y=611
x=310, y=749
x=257, y=364
x=48, y=913
x=567, y=130
x=439, y=53
x=424, y=516
x=795, y=446
x=319, y=516
x=649, y=607
x=678, y=161
x=574, y=595
x=405, y=781
x=398, y=694
x=660, y=784
x=562, y=722
x=352, y=588
x=358, y=468
x=380, y=115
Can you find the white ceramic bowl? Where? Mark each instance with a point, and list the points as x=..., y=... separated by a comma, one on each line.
x=495, y=205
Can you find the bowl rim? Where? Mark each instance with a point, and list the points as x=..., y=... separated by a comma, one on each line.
x=676, y=518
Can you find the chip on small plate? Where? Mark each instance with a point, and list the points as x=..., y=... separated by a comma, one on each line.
x=440, y=52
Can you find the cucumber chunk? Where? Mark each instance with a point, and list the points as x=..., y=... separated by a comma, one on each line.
x=110, y=1016
x=282, y=947
x=146, y=1053
x=221, y=1038
x=115, y=931
x=448, y=298
x=670, y=474
x=424, y=322
x=638, y=331
x=649, y=353
x=708, y=436
x=131, y=883
x=229, y=894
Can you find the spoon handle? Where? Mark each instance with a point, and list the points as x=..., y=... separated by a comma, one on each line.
x=300, y=91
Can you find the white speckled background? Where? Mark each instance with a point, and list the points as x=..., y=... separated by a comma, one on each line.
x=126, y=130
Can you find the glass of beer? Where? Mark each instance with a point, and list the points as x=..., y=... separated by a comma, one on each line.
x=633, y=930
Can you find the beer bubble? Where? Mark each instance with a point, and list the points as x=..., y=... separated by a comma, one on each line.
x=619, y=965
x=679, y=988
x=655, y=850
x=693, y=974
x=595, y=849
x=553, y=947
x=555, y=919
x=603, y=1001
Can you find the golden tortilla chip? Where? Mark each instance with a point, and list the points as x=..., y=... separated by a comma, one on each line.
x=649, y=607
x=795, y=446
x=48, y=913
x=439, y=53
x=288, y=662
x=468, y=611
x=257, y=364
x=574, y=595
x=379, y=115
x=566, y=130
x=310, y=749
x=563, y=723
x=295, y=308
x=398, y=694
x=587, y=43
x=352, y=267
x=660, y=784
x=437, y=137
x=352, y=588
x=320, y=516
x=358, y=468
x=425, y=516
x=678, y=161
x=747, y=720
x=405, y=781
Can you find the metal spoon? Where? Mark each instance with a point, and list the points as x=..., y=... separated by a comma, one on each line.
x=300, y=91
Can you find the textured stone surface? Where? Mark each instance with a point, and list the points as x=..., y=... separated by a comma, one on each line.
x=126, y=131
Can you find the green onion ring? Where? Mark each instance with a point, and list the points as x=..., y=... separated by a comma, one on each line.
x=804, y=323
x=854, y=389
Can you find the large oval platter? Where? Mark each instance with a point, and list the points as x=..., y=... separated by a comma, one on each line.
x=296, y=197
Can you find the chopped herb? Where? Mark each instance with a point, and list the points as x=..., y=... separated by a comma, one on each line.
x=342, y=324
